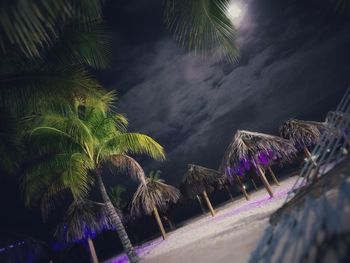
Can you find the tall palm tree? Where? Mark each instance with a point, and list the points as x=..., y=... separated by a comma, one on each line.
x=198, y=181
x=303, y=134
x=79, y=141
x=252, y=149
x=152, y=196
x=203, y=26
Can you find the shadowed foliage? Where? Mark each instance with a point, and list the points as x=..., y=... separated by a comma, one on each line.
x=115, y=193
x=83, y=219
x=302, y=133
x=203, y=26
x=198, y=179
x=249, y=149
x=46, y=51
x=155, y=193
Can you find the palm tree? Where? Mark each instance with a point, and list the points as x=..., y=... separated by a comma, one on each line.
x=153, y=195
x=80, y=140
x=82, y=221
x=198, y=181
x=252, y=149
x=303, y=134
x=203, y=26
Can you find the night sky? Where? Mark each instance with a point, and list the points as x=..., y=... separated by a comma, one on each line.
x=294, y=62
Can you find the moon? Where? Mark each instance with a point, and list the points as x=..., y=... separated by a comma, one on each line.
x=233, y=11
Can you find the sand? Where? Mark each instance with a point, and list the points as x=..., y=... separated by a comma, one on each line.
x=230, y=236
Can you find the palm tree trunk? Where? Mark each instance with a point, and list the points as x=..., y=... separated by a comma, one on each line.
x=200, y=203
x=128, y=248
x=93, y=256
x=229, y=193
x=208, y=203
x=243, y=190
x=273, y=175
x=264, y=180
x=160, y=224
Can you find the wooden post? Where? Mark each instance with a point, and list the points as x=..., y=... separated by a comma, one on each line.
x=309, y=156
x=208, y=203
x=264, y=180
x=200, y=203
x=253, y=182
x=229, y=193
x=244, y=192
x=160, y=224
x=273, y=175
x=93, y=256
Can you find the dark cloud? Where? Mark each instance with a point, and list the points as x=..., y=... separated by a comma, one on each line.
x=293, y=64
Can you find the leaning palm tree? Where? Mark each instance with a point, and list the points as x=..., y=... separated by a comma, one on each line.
x=203, y=26
x=83, y=220
x=80, y=140
x=153, y=195
x=257, y=150
x=198, y=181
x=303, y=134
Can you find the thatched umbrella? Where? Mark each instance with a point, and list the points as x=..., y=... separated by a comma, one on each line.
x=257, y=150
x=82, y=221
x=303, y=134
x=153, y=195
x=199, y=180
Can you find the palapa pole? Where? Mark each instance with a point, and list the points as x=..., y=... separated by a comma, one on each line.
x=160, y=224
x=211, y=209
x=229, y=193
x=242, y=188
x=200, y=203
x=93, y=255
x=309, y=156
x=273, y=175
x=264, y=180
x=253, y=182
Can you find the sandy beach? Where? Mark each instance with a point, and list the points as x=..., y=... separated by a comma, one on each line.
x=230, y=236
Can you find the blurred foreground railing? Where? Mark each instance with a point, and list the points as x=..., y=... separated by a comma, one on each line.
x=313, y=225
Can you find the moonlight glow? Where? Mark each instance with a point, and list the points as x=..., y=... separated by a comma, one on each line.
x=233, y=11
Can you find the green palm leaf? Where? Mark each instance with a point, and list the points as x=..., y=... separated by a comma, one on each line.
x=202, y=26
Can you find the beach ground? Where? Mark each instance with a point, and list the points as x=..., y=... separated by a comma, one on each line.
x=230, y=236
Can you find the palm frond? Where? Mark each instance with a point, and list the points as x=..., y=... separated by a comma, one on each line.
x=31, y=25
x=42, y=87
x=302, y=133
x=83, y=219
x=126, y=164
x=202, y=26
x=249, y=149
x=153, y=194
x=198, y=179
x=137, y=143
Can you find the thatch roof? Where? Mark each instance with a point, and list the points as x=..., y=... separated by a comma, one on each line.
x=83, y=219
x=302, y=133
x=154, y=193
x=249, y=149
x=198, y=179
